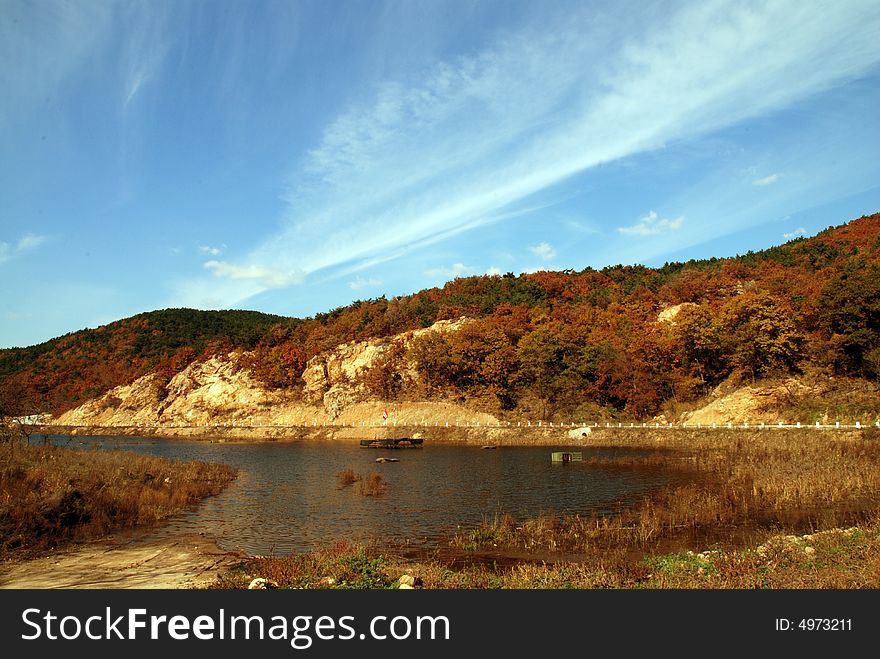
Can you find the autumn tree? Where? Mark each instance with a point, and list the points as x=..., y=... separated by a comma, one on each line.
x=431, y=356
x=15, y=405
x=760, y=333
x=850, y=311
x=606, y=370
x=693, y=284
x=384, y=378
x=542, y=362
x=700, y=342
x=660, y=371
x=483, y=360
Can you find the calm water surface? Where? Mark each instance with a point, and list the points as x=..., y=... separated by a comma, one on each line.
x=287, y=498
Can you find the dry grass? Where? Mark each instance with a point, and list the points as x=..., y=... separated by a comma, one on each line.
x=347, y=477
x=372, y=486
x=838, y=559
x=740, y=482
x=337, y=566
x=51, y=495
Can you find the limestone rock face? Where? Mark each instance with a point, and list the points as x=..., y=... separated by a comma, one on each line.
x=343, y=364
x=218, y=386
x=339, y=397
x=130, y=404
x=332, y=377
x=221, y=391
x=746, y=404
x=669, y=313
x=200, y=393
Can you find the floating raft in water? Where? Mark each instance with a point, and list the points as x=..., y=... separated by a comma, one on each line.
x=402, y=442
x=566, y=456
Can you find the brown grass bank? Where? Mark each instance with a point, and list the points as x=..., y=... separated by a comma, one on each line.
x=742, y=485
x=50, y=495
x=835, y=559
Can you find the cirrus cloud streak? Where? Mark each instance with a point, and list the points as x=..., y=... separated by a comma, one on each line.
x=457, y=146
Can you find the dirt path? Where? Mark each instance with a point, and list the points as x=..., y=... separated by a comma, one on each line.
x=181, y=561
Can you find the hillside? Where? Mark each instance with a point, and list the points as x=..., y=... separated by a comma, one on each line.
x=65, y=371
x=624, y=342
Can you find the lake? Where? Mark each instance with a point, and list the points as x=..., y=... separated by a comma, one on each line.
x=287, y=496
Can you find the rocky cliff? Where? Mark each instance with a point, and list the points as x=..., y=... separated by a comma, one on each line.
x=334, y=379
x=221, y=392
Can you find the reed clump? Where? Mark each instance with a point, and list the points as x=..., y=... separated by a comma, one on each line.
x=372, y=486
x=50, y=495
x=346, y=477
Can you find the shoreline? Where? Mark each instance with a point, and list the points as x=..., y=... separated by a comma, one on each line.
x=495, y=436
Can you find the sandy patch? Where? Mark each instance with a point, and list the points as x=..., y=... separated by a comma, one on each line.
x=181, y=561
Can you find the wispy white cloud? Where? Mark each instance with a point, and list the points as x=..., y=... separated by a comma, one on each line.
x=767, y=180
x=456, y=146
x=25, y=244
x=44, y=50
x=40, y=49
x=451, y=272
x=133, y=86
x=144, y=49
x=211, y=250
x=30, y=241
x=544, y=251
x=261, y=275
x=652, y=225
x=17, y=316
x=794, y=234
x=359, y=282
x=581, y=227
x=493, y=271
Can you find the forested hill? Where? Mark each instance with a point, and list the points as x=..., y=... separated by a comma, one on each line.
x=62, y=372
x=624, y=338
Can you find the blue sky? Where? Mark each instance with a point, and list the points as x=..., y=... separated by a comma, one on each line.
x=292, y=157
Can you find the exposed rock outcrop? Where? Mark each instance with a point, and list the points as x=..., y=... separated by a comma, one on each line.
x=334, y=378
x=668, y=314
x=199, y=394
x=221, y=391
x=759, y=404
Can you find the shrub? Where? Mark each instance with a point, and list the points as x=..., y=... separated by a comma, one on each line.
x=374, y=485
x=347, y=477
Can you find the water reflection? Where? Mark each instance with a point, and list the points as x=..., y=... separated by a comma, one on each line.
x=287, y=496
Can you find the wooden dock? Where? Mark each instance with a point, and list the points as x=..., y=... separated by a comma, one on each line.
x=401, y=442
x=566, y=456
